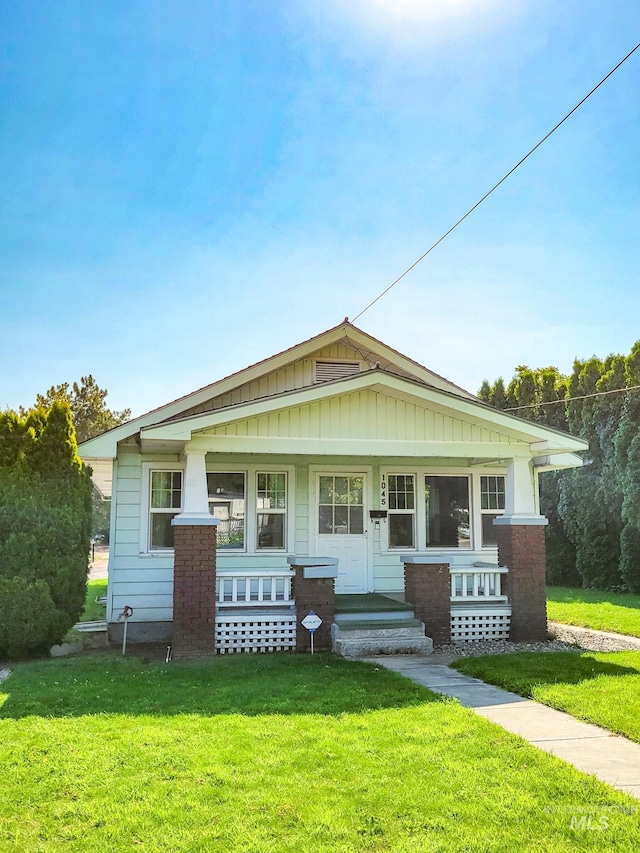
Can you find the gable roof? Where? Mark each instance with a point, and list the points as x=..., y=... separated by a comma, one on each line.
x=384, y=383
x=374, y=352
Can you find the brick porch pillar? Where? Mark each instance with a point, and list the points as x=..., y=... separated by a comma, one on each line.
x=521, y=549
x=194, y=586
x=427, y=586
x=317, y=594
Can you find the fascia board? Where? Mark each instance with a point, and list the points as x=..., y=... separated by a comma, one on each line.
x=558, y=462
x=333, y=447
x=376, y=380
x=106, y=445
x=413, y=367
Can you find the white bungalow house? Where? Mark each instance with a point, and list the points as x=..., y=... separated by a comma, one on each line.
x=337, y=449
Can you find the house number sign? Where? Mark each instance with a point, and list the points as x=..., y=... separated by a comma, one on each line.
x=383, y=492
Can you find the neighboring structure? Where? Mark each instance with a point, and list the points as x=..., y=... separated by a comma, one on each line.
x=338, y=448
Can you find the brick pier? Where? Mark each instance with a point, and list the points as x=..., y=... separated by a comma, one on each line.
x=194, y=589
x=427, y=587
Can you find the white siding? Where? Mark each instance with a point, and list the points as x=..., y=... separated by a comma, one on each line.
x=142, y=581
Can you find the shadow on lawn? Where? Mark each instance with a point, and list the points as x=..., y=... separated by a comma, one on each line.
x=525, y=670
x=237, y=684
x=568, y=595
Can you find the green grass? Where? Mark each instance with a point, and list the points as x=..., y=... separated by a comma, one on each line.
x=599, y=687
x=276, y=754
x=604, y=611
x=93, y=611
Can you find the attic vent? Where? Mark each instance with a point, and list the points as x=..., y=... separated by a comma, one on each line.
x=328, y=370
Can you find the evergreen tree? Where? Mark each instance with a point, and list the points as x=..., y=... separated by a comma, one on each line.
x=87, y=402
x=45, y=523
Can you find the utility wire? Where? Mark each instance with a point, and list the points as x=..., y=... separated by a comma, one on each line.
x=571, y=399
x=495, y=187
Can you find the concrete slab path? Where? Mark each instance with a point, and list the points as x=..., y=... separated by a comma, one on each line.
x=611, y=758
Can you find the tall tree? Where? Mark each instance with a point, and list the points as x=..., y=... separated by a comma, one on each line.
x=87, y=402
x=45, y=522
x=594, y=512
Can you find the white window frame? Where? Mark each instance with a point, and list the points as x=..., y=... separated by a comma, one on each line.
x=272, y=510
x=145, y=503
x=251, y=506
x=475, y=512
x=384, y=479
x=492, y=512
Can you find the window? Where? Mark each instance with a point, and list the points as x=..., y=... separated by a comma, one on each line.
x=402, y=510
x=227, y=502
x=447, y=512
x=341, y=505
x=165, y=503
x=271, y=508
x=492, y=492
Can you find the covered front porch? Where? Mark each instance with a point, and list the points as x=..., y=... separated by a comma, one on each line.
x=258, y=611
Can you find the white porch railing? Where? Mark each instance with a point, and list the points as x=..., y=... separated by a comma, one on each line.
x=254, y=588
x=476, y=584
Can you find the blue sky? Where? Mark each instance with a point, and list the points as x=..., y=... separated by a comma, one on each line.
x=188, y=187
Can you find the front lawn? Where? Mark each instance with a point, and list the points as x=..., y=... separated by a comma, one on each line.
x=599, y=687
x=589, y=608
x=277, y=753
x=92, y=610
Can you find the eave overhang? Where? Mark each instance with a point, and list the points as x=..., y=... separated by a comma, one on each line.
x=533, y=439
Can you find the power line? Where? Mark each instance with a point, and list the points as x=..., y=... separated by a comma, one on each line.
x=495, y=187
x=571, y=399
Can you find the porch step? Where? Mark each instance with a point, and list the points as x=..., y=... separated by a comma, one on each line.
x=372, y=607
x=376, y=616
x=366, y=637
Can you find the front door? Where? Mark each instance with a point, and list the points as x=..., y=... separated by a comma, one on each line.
x=341, y=528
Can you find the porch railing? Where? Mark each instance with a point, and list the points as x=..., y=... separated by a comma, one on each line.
x=477, y=584
x=254, y=588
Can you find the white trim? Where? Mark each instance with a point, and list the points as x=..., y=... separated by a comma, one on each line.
x=526, y=432
x=475, y=515
x=355, y=470
x=250, y=509
x=145, y=504
x=105, y=446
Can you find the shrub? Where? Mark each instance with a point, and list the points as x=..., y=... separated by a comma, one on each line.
x=45, y=525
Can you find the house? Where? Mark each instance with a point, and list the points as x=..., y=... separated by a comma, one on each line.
x=340, y=466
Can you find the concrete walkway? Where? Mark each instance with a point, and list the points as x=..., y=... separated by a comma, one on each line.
x=611, y=758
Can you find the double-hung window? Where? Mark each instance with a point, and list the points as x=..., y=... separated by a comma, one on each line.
x=227, y=502
x=271, y=509
x=165, y=503
x=401, y=494
x=492, y=496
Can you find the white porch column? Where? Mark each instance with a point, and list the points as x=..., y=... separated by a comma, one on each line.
x=195, y=503
x=521, y=504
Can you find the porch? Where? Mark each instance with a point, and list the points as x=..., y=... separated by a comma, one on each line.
x=256, y=611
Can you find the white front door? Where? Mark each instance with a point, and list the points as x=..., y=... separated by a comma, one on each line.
x=341, y=525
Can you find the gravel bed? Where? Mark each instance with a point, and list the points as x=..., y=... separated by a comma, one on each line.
x=501, y=647
x=563, y=638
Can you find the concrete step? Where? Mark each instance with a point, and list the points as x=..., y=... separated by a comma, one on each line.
x=91, y=627
x=368, y=639
x=370, y=627
x=375, y=616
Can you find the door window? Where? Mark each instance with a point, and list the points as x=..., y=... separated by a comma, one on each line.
x=341, y=505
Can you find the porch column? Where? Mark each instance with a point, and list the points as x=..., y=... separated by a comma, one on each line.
x=313, y=588
x=427, y=586
x=194, y=586
x=196, y=495
x=521, y=548
x=194, y=565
